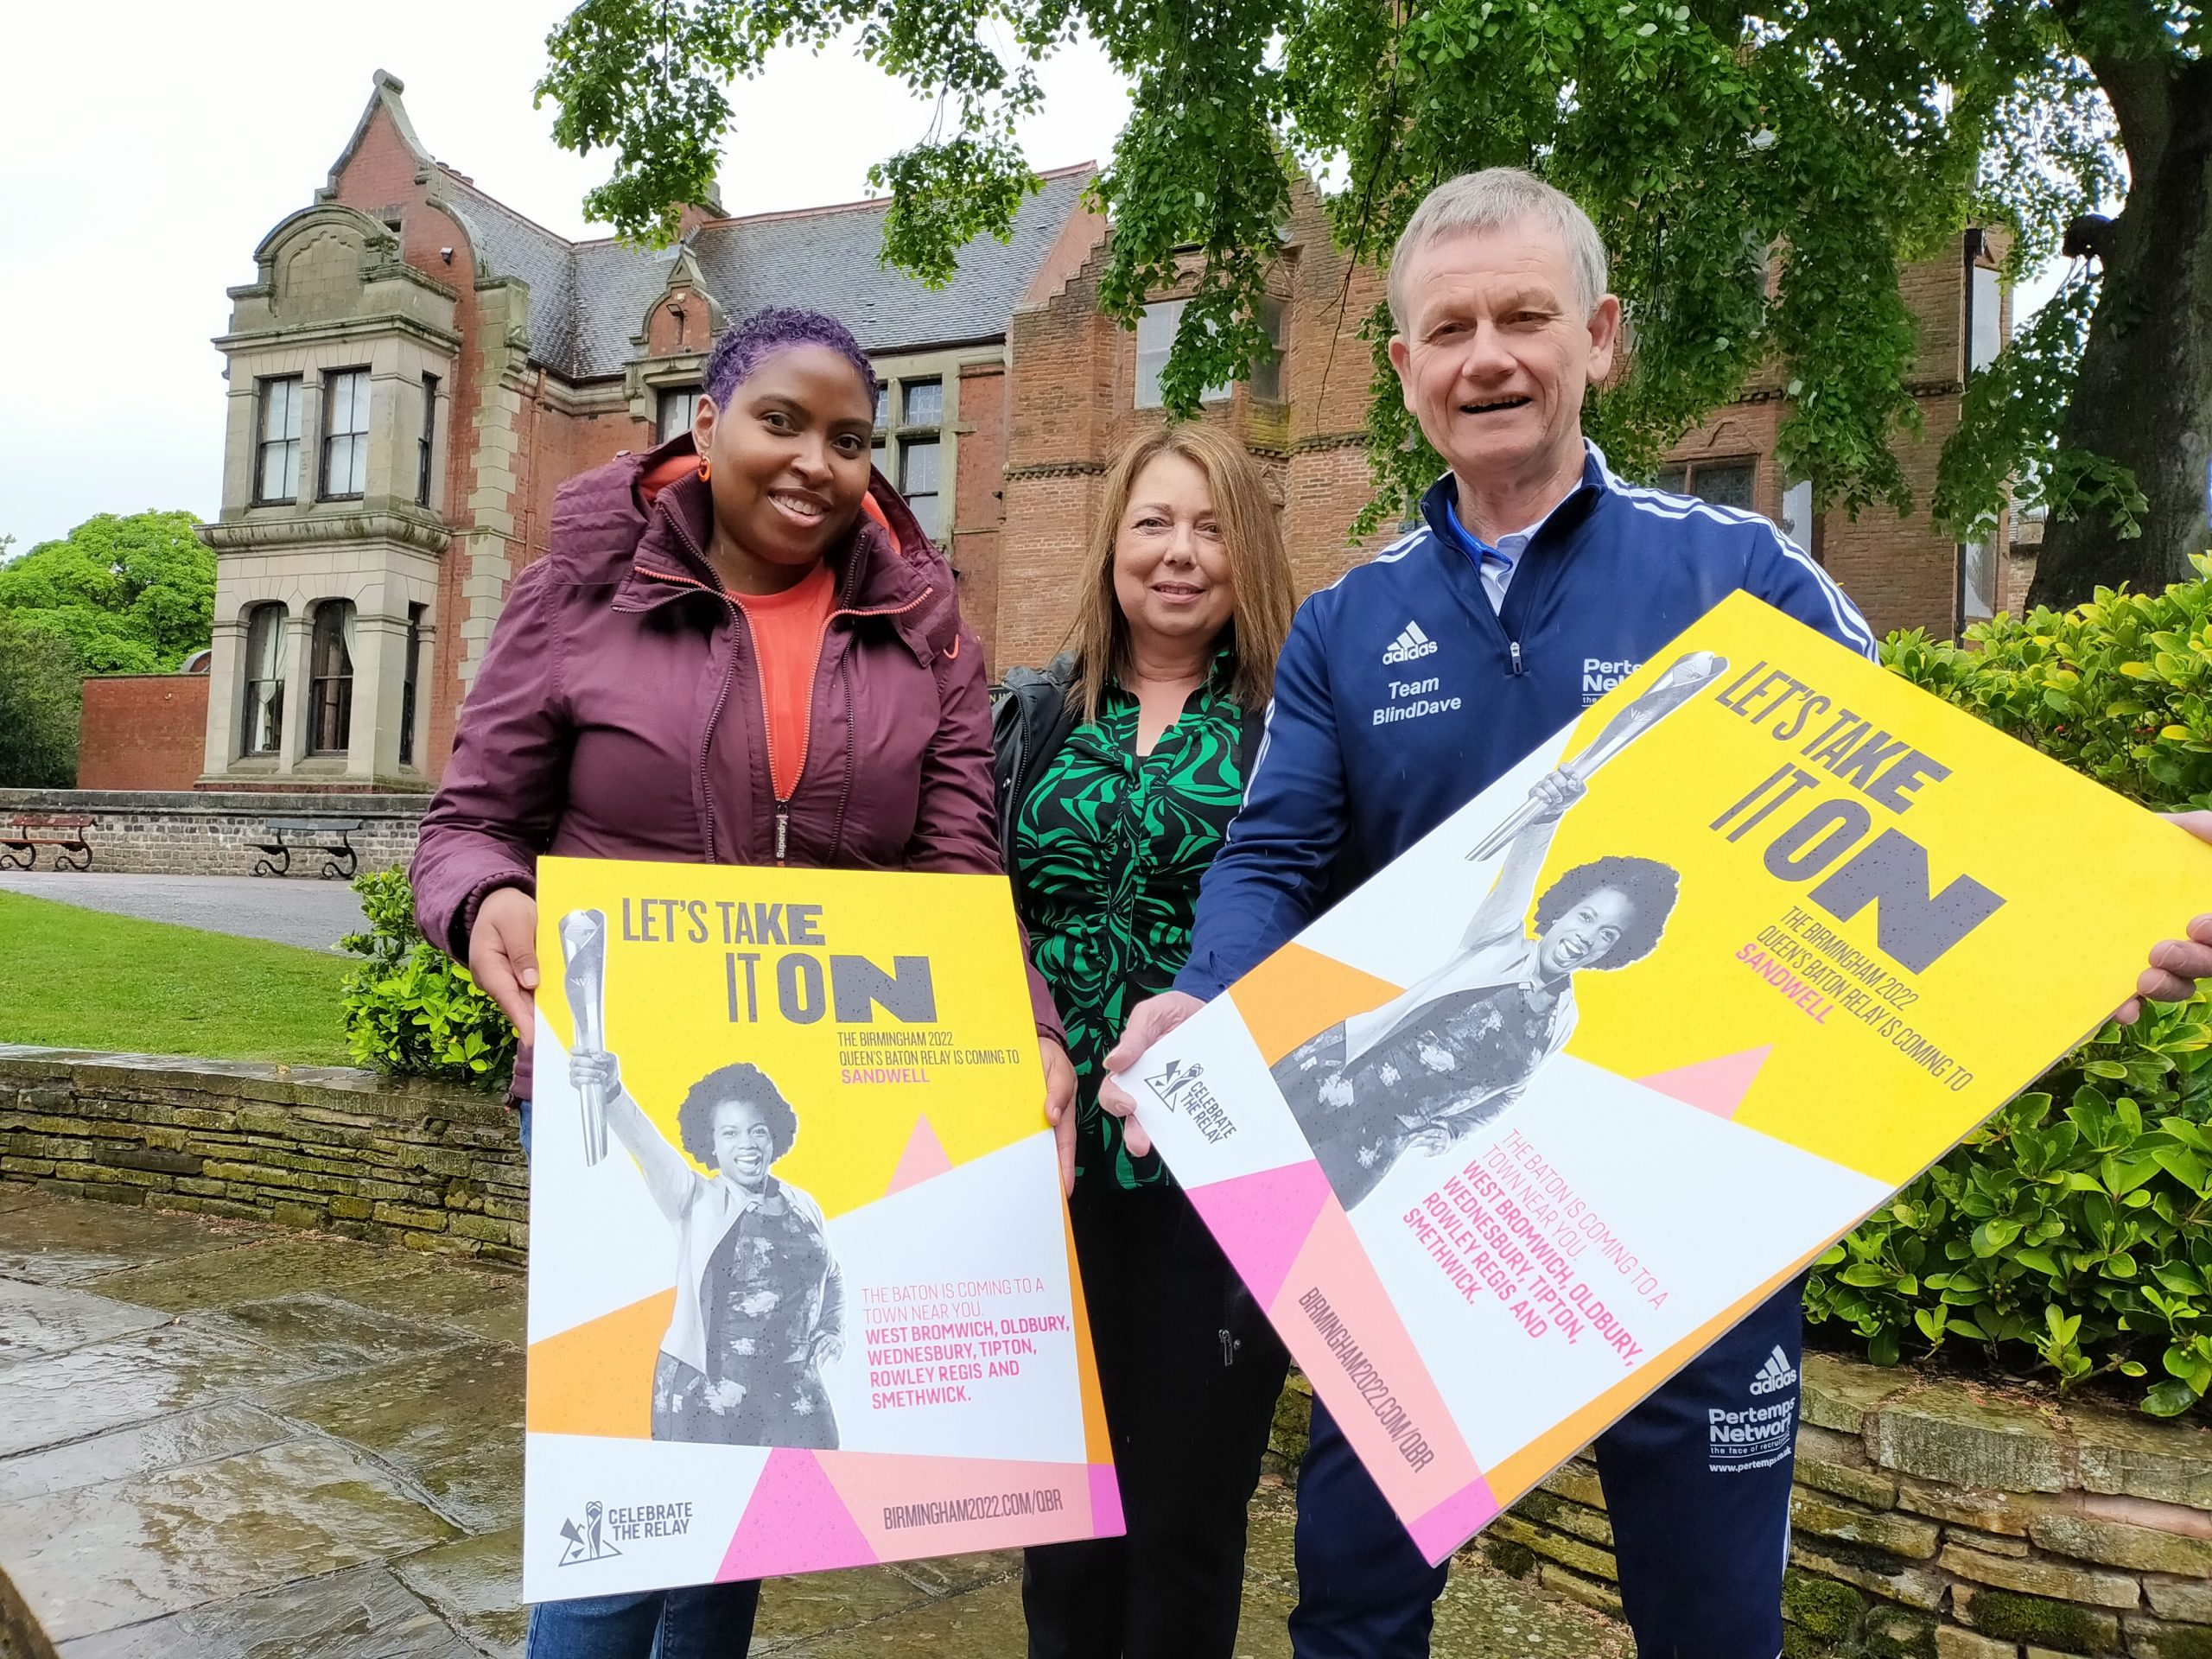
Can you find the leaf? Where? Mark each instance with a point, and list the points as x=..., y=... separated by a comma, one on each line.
x=2169, y=1399
x=2183, y=1166
x=1994, y=1234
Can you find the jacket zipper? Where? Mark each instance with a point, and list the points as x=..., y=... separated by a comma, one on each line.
x=722, y=697
x=767, y=732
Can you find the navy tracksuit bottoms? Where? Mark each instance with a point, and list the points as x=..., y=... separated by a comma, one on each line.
x=1697, y=1484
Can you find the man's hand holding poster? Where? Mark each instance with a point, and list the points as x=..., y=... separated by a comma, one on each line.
x=1532, y=1117
x=801, y=1294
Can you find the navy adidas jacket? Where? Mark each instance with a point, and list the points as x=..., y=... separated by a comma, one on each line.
x=1401, y=695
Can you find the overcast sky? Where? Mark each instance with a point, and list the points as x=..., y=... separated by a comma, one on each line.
x=150, y=145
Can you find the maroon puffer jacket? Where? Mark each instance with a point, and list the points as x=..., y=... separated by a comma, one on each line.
x=619, y=713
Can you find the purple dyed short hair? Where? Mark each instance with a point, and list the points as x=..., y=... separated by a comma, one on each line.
x=764, y=334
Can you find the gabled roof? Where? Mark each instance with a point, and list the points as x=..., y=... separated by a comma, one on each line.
x=588, y=300
x=831, y=259
x=507, y=245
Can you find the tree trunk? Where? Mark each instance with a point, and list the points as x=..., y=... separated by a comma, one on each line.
x=2144, y=396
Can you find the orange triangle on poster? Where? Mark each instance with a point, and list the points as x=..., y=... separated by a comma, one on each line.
x=1717, y=1085
x=924, y=1156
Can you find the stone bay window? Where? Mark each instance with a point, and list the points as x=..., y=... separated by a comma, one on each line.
x=331, y=544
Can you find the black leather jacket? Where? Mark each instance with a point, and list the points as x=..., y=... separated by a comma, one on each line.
x=1031, y=718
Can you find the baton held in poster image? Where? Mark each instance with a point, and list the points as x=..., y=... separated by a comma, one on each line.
x=1734, y=956
x=802, y=1292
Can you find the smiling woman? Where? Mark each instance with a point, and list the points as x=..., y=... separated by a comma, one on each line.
x=740, y=650
x=1120, y=768
x=760, y=1300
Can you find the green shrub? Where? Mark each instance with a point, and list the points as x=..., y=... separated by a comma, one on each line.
x=409, y=1009
x=41, y=687
x=2068, y=1236
x=2120, y=688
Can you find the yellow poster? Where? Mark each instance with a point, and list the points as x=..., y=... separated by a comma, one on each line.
x=802, y=1292
x=1529, y=1120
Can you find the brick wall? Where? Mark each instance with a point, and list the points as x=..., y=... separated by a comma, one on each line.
x=979, y=498
x=141, y=731
x=327, y=1148
x=1071, y=407
x=211, y=832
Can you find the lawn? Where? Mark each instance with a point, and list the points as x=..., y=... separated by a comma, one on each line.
x=73, y=978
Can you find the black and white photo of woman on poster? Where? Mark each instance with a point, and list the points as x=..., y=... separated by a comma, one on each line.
x=1449, y=1053
x=760, y=1300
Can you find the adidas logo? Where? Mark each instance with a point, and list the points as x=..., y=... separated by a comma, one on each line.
x=1411, y=645
x=1776, y=1375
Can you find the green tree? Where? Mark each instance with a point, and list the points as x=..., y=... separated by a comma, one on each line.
x=1843, y=136
x=130, y=595
x=40, y=686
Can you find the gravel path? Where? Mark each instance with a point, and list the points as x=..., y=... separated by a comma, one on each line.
x=311, y=913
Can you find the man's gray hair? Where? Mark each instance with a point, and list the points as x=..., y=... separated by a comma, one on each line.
x=1488, y=200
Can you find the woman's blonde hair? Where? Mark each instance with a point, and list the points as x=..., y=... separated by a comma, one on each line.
x=1258, y=567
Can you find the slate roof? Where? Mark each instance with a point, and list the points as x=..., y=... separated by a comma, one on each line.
x=588, y=299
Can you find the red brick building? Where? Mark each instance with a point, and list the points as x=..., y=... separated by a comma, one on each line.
x=1081, y=385
x=416, y=368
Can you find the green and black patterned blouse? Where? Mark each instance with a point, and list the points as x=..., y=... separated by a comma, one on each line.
x=1110, y=848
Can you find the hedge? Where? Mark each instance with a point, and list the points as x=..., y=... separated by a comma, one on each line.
x=2068, y=1239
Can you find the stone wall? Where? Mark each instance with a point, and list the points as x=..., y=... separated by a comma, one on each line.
x=1933, y=1517
x=339, y=1151
x=214, y=832
x=1937, y=1518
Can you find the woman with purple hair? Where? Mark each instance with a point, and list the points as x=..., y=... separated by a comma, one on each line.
x=740, y=649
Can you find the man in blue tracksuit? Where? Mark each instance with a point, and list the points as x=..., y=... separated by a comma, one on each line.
x=1536, y=580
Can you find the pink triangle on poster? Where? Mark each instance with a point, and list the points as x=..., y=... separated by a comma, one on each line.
x=1717, y=1086
x=794, y=1523
x=1261, y=1220
x=925, y=1157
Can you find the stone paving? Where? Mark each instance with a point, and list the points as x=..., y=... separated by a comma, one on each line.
x=222, y=1441
x=311, y=913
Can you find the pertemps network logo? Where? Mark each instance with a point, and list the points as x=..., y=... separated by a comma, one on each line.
x=1761, y=1434
x=1410, y=646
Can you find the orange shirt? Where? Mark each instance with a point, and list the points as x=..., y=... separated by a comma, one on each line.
x=787, y=640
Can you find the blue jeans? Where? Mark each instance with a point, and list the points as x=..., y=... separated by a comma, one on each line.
x=705, y=1621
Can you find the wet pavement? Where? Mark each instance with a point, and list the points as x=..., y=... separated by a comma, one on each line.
x=312, y=914
x=222, y=1441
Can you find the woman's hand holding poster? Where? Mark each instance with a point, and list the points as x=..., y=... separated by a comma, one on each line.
x=1528, y=1121
x=801, y=1289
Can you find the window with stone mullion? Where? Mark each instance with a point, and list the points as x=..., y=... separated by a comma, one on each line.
x=345, y=434
x=277, y=469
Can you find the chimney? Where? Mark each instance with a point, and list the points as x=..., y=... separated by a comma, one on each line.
x=692, y=215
